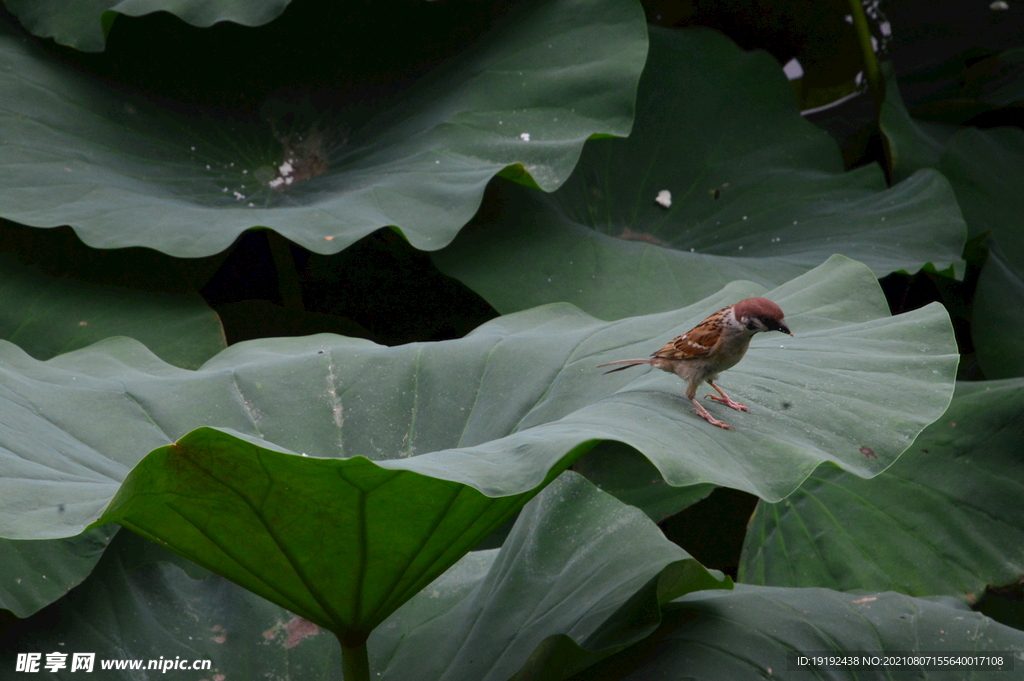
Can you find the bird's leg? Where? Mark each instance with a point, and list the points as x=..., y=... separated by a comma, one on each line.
x=725, y=399
x=706, y=415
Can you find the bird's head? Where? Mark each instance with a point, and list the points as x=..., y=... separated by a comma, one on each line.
x=760, y=314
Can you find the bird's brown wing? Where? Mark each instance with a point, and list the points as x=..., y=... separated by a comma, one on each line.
x=697, y=342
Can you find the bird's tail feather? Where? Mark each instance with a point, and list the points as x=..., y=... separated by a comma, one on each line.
x=628, y=363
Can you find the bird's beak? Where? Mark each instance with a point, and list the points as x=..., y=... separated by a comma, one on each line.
x=784, y=329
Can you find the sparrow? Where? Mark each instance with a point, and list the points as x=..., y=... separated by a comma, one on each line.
x=716, y=344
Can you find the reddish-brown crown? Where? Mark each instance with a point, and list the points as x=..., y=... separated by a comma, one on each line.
x=758, y=307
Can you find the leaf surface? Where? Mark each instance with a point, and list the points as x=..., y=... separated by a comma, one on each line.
x=34, y=574
x=946, y=519
x=132, y=610
x=47, y=315
x=124, y=172
x=442, y=441
x=756, y=193
x=750, y=633
x=984, y=167
x=580, y=576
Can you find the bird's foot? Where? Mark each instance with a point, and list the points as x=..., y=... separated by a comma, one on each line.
x=704, y=414
x=729, y=402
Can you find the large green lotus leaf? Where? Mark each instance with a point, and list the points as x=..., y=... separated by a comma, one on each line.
x=754, y=633
x=581, y=576
x=521, y=390
x=48, y=315
x=155, y=611
x=947, y=518
x=757, y=193
x=341, y=542
x=445, y=440
x=83, y=24
x=122, y=172
x=579, y=566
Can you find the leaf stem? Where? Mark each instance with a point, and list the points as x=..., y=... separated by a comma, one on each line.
x=355, y=663
x=876, y=84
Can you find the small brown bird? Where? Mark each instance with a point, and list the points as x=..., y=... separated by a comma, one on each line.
x=716, y=344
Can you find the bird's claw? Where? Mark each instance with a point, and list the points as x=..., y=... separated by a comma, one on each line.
x=711, y=419
x=729, y=403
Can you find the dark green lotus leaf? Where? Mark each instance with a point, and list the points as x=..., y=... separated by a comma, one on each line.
x=757, y=193
x=34, y=574
x=998, y=316
x=946, y=519
x=985, y=167
x=752, y=632
x=341, y=542
x=580, y=576
x=83, y=24
x=444, y=440
x=579, y=566
x=123, y=172
x=155, y=611
x=47, y=315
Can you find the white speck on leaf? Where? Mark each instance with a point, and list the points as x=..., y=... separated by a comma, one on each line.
x=664, y=198
x=525, y=136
